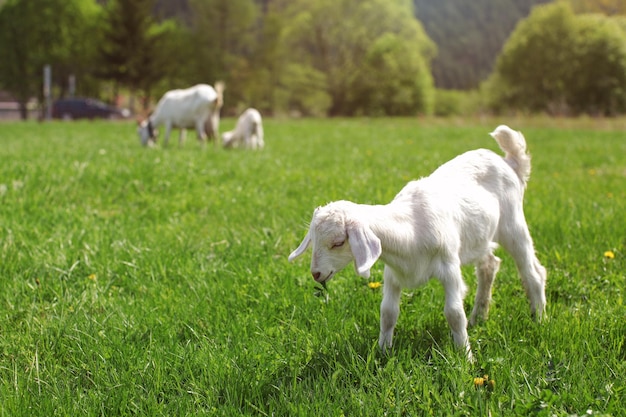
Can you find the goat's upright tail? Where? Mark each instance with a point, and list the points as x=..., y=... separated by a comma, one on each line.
x=514, y=146
x=219, y=89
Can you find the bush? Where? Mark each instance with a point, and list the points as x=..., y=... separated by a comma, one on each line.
x=448, y=103
x=560, y=63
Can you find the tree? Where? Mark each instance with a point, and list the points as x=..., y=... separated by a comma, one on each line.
x=598, y=86
x=562, y=63
x=223, y=38
x=535, y=61
x=394, y=80
x=133, y=50
x=336, y=38
x=35, y=33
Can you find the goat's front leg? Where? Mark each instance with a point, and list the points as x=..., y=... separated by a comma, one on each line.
x=258, y=136
x=168, y=130
x=455, y=292
x=389, y=310
x=181, y=136
x=202, y=136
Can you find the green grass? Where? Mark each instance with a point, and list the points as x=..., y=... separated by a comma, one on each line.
x=155, y=282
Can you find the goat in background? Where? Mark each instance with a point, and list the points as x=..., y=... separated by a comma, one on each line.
x=248, y=132
x=197, y=107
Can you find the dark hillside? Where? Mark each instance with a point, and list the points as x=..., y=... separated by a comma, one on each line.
x=469, y=36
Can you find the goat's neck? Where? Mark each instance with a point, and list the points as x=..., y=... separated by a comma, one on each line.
x=392, y=224
x=155, y=119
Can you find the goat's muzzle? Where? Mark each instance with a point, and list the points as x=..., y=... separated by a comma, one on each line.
x=317, y=276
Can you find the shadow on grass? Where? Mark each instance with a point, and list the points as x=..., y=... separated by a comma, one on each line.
x=358, y=363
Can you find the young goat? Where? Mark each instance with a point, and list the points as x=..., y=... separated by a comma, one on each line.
x=431, y=228
x=248, y=131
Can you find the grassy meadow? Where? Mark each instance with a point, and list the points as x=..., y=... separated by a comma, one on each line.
x=155, y=282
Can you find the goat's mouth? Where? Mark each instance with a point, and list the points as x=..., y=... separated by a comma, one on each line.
x=324, y=280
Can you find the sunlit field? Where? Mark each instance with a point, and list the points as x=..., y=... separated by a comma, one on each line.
x=155, y=282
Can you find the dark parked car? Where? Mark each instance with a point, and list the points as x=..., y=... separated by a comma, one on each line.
x=86, y=108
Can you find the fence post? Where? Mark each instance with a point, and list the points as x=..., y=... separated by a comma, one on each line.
x=47, y=77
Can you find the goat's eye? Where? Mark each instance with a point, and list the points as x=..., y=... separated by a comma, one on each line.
x=338, y=244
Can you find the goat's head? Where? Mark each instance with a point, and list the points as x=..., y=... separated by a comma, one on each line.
x=227, y=139
x=147, y=132
x=338, y=235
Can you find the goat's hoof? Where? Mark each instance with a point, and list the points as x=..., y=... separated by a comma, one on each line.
x=475, y=320
x=385, y=348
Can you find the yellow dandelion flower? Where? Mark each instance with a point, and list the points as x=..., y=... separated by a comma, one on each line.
x=609, y=254
x=484, y=381
x=93, y=277
x=374, y=285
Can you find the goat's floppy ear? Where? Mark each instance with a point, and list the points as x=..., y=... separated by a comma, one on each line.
x=300, y=249
x=365, y=247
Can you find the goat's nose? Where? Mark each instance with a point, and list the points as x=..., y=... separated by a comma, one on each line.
x=316, y=275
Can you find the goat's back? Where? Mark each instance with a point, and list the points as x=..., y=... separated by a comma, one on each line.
x=480, y=167
x=249, y=121
x=461, y=204
x=184, y=106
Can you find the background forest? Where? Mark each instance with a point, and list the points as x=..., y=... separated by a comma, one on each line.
x=326, y=57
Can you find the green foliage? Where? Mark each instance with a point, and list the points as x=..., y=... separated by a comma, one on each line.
x=393, y=80
x=561, y=63
x=598, y=82
x=327, y=57
x=155, y=281
x=304, y=90
x=36, y=33
x=620, y=21
x=135, y=51
x=353, y=43
x=222, y=44
x=536, y=61
x=449, y=102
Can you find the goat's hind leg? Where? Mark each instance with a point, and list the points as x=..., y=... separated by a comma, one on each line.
x=520, y=245
x=259, y=135
x=486, y=270
x=202, y=136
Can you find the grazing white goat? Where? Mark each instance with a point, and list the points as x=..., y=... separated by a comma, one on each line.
x=248, y=131
x=431, y=228
x=197, y=107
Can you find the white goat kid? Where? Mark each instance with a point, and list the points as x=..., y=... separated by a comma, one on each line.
x=248, y=131
x=197, y=107
x=433, y=227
